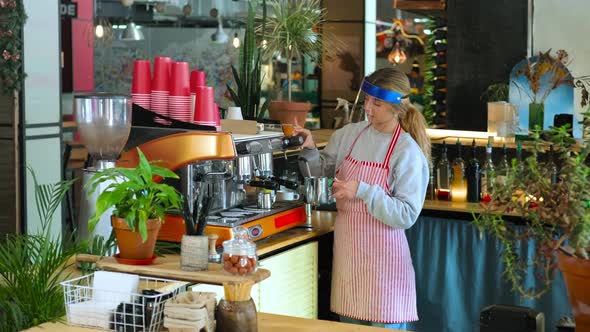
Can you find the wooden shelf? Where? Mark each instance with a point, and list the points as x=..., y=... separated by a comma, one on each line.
x=169, y=267
x=419, y=4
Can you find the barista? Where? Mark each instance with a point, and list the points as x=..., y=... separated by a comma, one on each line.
x=379, y=186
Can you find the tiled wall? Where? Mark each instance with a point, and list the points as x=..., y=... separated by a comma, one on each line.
x=113, y=64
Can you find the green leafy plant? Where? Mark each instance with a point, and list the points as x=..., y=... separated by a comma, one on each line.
x=557, y=215
x=33, y=265
x=248, y=78
x=134, y=194
x=496, y=92
x=12, y=20
x=292, y=29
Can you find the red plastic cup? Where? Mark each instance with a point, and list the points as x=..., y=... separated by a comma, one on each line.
x=217, y=119
x=179, y=79
x=142, y=77
x=161, y=80
x=198, y=78
x=204, y=105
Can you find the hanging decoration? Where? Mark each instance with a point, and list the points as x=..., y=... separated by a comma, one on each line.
x=12, y=19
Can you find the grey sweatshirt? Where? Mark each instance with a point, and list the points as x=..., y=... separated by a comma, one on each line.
x=408, y=176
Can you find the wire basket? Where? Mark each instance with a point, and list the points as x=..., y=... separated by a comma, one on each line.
x=117, y=311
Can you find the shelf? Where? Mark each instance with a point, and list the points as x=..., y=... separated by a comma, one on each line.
x=169, y=267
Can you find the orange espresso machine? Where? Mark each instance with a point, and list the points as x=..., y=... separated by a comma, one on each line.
x=231, y=170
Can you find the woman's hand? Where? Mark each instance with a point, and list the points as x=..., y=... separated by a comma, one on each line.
x=344, y=189
x=305, y=133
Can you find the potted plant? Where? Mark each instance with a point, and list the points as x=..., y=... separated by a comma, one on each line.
x=248, y=78
x=292, y=30
x=556, y=216
x=139, y=202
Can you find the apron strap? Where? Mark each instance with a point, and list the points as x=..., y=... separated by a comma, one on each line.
x=392, y=144
x=352, y=146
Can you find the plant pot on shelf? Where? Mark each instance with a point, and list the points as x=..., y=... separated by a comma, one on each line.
x=536, y=114
x=130, y=243
x=287, y=112
x=576, y=273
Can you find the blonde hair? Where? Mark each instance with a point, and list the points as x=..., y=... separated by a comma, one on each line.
x=410, y=118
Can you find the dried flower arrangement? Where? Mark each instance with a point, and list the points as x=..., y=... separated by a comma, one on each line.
x=535, y=70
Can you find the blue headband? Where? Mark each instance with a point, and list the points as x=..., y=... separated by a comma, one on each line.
x=380, y=93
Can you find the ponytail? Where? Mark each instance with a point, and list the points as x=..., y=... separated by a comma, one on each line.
x=414, y=123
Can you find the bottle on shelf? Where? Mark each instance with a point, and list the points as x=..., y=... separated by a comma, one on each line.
x=458, y=181
x=503, y=167
x=430, y=190
x=473, y=180
x=443, y=176
x=487, y=174
x=550, y=166
x=519, y=162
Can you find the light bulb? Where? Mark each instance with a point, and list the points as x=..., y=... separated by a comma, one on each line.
x=396, y=55
x=99, y=31
x=264, y=42
x=236, y=41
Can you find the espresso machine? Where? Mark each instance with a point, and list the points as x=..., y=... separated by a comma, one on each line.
x=233, y=183
x=103, y=122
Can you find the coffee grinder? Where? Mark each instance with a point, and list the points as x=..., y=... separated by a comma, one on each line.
x=104, y=123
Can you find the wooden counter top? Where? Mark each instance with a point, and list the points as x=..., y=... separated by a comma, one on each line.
x=266, y=323
x=465, y=207
x=322, y=223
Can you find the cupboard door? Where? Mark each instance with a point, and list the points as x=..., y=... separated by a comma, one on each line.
x=292, y=288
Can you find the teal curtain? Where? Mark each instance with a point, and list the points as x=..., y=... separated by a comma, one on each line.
x=457, y=275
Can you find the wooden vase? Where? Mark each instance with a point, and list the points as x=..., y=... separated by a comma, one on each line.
x=576, y=273
x=131, y=245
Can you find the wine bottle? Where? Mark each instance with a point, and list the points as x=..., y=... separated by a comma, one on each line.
x=503, y=168
x=430, y=190
x=443, y=176
x=472, y=172
x=550, y=167
x=487, y=175
x=458, y=181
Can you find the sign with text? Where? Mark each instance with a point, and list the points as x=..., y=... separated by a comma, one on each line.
x=68, y=9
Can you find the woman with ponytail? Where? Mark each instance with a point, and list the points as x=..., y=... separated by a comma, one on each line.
x=380, y=180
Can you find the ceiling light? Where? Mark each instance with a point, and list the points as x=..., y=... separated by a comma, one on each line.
x=236, y=41
x=99, y=31
x=397, y=56
x=132, y=32
x=219, y=35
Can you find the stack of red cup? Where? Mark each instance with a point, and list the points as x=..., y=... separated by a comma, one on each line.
x=204, y=106
x=161, y=87
x=179, y=100
x=198, y=78
x=141, y=86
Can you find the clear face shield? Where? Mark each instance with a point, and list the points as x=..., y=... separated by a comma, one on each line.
x=358, y=112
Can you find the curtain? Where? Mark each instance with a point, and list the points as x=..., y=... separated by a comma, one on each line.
x=458, y=274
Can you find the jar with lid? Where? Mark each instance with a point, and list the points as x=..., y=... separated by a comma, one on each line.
x=239, y=254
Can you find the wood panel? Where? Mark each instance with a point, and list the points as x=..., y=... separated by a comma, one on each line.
x=419, y=4
x=9, y=172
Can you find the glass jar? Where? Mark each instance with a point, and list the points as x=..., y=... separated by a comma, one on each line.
x=239, y=254
x=236, y=316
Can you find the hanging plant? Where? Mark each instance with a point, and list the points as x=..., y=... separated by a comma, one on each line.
x=12, y=19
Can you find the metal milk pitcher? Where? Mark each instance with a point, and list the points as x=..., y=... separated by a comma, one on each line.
x=316, y=190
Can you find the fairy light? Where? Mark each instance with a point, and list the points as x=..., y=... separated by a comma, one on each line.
x=236, y=40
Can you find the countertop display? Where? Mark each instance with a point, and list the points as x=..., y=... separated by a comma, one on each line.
x=266, y=322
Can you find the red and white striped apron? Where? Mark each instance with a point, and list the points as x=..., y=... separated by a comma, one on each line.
x=372, y=277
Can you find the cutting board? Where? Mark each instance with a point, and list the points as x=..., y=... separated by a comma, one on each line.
x=168, y=267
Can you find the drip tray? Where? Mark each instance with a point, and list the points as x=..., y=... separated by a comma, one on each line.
x=239, y=215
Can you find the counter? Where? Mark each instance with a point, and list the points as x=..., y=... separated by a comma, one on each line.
x=266, y=322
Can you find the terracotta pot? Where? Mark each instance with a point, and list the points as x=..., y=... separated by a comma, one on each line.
x=286, y=112
x=576, y=273
x=130, y=243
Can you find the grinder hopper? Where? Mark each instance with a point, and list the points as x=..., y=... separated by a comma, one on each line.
x=104, y=123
